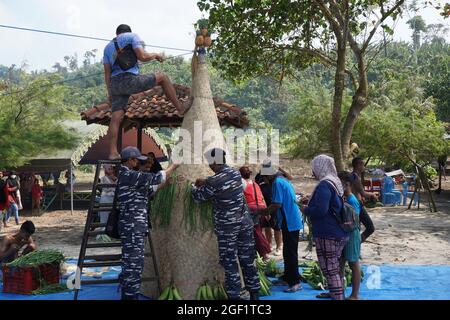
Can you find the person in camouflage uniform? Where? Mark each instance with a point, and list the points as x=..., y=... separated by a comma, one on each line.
x=133, y=190
x=232, y=223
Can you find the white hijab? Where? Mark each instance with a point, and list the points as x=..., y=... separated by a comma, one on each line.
x=325, y=170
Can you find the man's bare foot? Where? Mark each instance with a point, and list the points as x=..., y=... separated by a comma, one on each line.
x=352, y=298
x=186, y=106
x=115, y=156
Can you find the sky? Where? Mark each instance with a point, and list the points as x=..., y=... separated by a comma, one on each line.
x=159, y=22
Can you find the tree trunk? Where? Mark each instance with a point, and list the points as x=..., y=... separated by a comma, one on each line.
x=359, y=102
x=339, y=87
x=189, y=259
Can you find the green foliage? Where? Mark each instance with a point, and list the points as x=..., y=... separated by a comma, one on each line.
x=30, y=120
x=430, y=172
x=400, y=126
x=196, y=216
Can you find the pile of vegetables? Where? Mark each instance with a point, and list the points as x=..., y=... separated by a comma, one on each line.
x=50, y=289
x=37, y=258
x=312, y=274
x=269, y=268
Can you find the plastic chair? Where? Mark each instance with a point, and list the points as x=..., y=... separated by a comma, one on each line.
x=377, y=186
x=406, y=193
x=389, y=195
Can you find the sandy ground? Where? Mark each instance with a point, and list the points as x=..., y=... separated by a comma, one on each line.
x=413, y=237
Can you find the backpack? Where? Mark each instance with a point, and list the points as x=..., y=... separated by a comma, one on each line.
x=347, y=218
x=126, y=57
x=3, y=195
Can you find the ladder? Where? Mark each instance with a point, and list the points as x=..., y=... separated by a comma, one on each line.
x=104, y=260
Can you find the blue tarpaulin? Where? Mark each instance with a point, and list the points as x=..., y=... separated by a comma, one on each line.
x=384, y=282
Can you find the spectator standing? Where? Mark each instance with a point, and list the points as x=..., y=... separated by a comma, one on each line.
x=362, y=195
x=352, y=249
x=36, y=196
x=329, y=238
x=107, y=195
x=271, y=224
x=255, y=202
x=11, y=202
x=290, y=222
x=14, y=182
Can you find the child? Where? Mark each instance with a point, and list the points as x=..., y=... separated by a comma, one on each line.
x=352, y=249
x=36, y=196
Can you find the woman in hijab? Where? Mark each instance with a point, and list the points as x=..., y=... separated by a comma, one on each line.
x=329, y=238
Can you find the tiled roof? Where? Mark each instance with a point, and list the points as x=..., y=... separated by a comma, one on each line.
x=152, y=109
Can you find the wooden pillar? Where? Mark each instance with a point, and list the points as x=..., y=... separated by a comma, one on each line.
x=139, y=138
x=71, y=187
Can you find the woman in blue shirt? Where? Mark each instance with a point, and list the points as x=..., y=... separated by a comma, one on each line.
x=329, y=238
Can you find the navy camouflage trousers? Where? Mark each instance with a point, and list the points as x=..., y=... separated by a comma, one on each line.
x=133, y=246
x=236, y=242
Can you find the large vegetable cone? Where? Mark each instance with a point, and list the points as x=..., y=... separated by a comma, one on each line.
x=184, y=257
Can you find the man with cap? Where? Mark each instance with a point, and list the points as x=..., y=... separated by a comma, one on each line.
x=133, y=190
x=122, y=83
x=232, y=223
x=289, y=220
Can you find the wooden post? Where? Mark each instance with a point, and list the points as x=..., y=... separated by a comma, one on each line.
x=139, y=138
x=71, y=188
x=426, y=184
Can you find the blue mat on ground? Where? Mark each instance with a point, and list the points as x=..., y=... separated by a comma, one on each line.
x=384, y=282
x=387, y=282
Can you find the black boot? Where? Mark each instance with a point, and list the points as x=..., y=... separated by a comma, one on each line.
x=254, y=295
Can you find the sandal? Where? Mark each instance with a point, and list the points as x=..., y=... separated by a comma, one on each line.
x=323, y=295
x=293, y=289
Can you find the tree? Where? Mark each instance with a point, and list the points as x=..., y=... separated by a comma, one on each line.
x=276, y=38
x=30, y=121
x=418, y=25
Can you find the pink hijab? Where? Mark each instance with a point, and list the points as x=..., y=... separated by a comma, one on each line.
x=324, y=168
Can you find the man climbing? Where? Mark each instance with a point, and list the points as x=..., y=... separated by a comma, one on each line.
x=10, y=246
x=133, y=190
x=232, y=222
x=122, y=79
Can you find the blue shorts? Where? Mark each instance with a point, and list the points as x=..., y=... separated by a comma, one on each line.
x=126, y=84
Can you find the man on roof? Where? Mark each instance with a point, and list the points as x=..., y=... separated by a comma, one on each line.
x=123, y=79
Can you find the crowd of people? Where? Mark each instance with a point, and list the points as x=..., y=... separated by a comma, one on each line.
x=248, y=214
x=25, y=190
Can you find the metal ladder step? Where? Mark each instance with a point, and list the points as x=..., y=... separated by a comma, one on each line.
x=100, y=264
x=104, y=257
x=104, y=245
